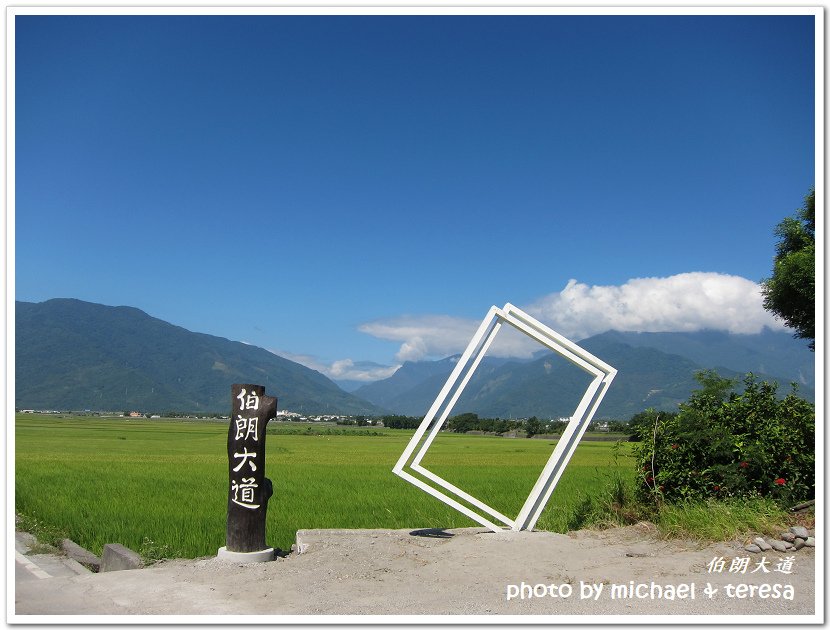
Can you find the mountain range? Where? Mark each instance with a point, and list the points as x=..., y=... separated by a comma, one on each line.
x=77, y=355
x=654, y=370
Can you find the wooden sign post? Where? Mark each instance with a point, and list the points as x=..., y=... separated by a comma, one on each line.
x=248, y=488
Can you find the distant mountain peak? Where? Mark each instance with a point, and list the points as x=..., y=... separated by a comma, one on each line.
x=72, y=354
x=654, y=370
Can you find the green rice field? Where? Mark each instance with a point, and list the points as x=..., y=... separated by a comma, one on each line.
x=160, y=486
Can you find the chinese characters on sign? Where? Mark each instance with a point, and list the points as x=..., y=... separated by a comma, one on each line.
x=740, y=565
x=249, y=489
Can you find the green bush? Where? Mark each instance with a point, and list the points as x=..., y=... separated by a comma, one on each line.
x=727, y=444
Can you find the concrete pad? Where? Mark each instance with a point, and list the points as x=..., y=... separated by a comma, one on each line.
x=41, y=566
x=308, y=539
x=117, y=557
x=24, y=541
x=59, y=565
x=415, y=572
x=38, y=566
x=26, y=569
x=81, y=555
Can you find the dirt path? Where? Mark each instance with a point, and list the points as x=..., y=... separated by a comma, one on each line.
x=451, y=572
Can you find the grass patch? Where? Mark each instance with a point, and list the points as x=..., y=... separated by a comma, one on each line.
x=613, y=504
x=48, y=536
x=728, y=519
x=151, y=552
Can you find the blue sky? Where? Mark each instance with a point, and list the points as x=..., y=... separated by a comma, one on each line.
x=363, y=188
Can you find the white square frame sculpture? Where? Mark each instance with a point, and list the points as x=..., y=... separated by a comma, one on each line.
x=439, y=412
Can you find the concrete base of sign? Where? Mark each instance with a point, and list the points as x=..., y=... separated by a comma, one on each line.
x=265, y=555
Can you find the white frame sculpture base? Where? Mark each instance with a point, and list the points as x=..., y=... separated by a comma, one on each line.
x=439, y=412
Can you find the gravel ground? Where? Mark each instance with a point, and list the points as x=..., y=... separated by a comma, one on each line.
x=452, y=572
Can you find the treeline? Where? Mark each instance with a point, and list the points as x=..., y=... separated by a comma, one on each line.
x=402, y=422
x=465, y=422
x=471, y=422
x=357, y=421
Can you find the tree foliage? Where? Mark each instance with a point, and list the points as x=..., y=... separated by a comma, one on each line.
x=401, y=422
x=790, y=292
x=723, y=444
x=532, y=426
x=643, y=423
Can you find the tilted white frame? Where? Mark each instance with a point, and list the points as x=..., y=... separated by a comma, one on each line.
x=540, y=494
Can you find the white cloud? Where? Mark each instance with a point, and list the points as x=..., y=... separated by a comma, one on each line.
x=348, y=370
x=439, y=336
x=684, y=302
x=342, y=369
x=423, y=336
x=511, y=343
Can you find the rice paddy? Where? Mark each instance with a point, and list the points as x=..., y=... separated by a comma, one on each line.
x=160, y=486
